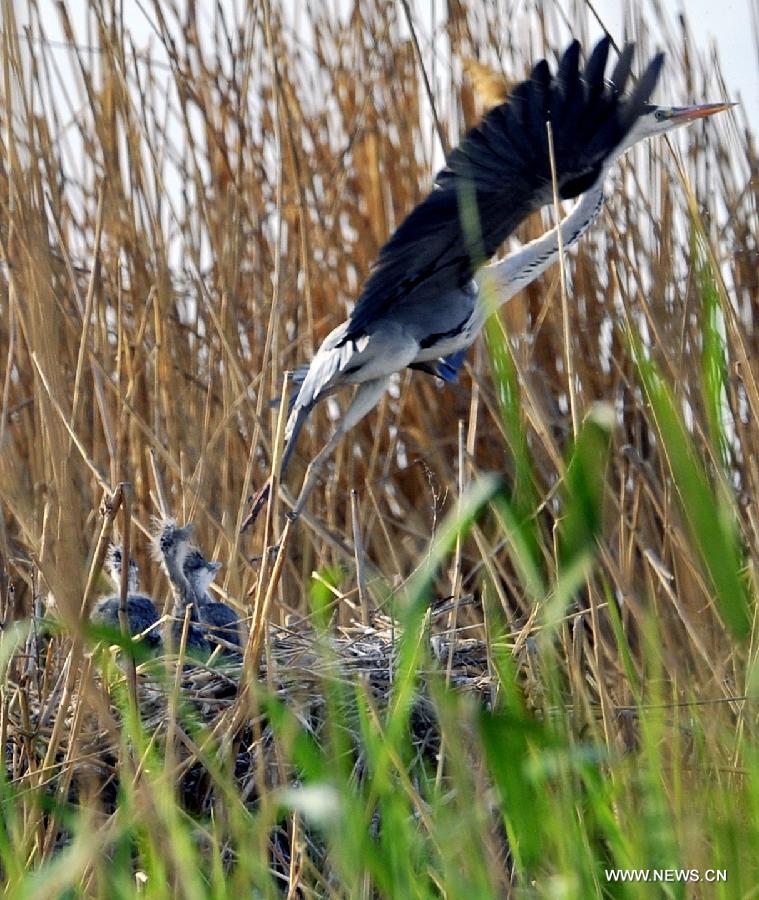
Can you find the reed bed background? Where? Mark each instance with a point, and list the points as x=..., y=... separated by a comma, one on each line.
x=182, y=224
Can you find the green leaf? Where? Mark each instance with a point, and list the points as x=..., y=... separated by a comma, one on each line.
x=708, y=512
x=510, y=742
x=714, y=377
x=583, y=487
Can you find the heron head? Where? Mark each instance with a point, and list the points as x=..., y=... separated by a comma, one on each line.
x=171, y=543
x=661, y=119
x=199, y=571
x=113, y=558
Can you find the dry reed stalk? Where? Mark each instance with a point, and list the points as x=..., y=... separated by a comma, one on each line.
x=568, y=361
x=358, y=549
x=125, y=490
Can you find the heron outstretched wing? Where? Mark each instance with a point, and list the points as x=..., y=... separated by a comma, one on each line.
x=501, y=172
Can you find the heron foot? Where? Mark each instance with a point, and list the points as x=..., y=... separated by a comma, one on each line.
x=257, y=503
x=271, y=551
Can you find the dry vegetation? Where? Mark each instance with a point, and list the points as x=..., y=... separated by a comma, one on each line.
x=181, y=225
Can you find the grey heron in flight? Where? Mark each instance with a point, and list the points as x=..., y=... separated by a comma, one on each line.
x=429, y=293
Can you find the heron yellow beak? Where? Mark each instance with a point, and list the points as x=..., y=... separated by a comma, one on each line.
x=683, y=114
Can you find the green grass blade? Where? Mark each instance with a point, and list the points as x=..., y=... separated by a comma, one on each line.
x=710, y=519
x=714, y=374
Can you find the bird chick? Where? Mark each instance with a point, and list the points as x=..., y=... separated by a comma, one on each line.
x=113, y=565
x=218, y=619
x=142, y=615
x=171, y=544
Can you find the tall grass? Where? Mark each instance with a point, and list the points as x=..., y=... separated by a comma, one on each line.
x=548, y=668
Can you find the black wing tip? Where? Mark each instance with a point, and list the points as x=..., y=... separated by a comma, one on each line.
x=650, y=77
x=657, y=62
x=637, y=102
x=595, y=68
x=568, y=61
x=541, y=71
x=569, y=66
x=621, y=72
x=604, y=44
x=597, y=63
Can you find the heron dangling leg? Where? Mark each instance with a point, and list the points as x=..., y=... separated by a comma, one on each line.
x=367, y=396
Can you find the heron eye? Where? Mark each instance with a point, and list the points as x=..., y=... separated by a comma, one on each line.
x=659, y=115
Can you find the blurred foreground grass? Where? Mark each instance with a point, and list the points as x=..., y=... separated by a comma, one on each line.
x=547, y=668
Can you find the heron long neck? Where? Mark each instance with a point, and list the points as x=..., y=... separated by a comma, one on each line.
x=184, y=594
x=201, y=582
x=502, y=279
x=114, y=572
